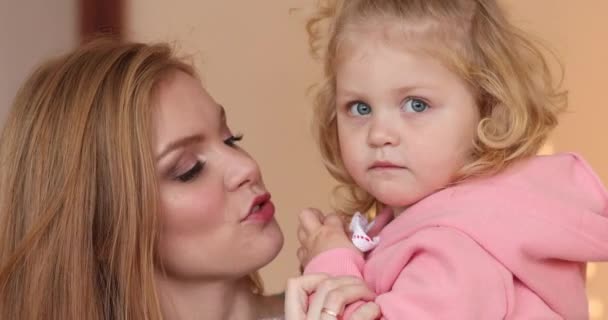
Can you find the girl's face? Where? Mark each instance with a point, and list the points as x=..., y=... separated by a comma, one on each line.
x=217, y=219
x=406, y=123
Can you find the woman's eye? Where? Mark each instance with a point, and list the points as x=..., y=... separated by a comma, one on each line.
x=192, y=172
x=233, y=140
x=360, y=109
x=415, y=105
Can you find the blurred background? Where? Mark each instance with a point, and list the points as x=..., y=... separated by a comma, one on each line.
x=253, y=58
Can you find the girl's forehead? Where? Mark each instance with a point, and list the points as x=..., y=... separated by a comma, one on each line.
x=360, y=41
x=364, y=46
x=411, y=35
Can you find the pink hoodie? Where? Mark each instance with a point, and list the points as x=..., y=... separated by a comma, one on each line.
x=513, y=246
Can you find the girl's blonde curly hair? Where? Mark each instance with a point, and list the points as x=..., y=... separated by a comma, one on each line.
x=517, y=95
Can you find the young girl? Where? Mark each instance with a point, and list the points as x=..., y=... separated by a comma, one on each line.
x=435, y=110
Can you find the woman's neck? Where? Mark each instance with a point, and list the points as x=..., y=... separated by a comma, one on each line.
x=213, y=300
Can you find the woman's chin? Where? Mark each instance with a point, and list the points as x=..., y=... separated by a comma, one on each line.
x=271, y=244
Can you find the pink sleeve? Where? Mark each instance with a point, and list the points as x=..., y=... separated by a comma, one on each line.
x=440, y=272
x=447, y=276
x=337, y=262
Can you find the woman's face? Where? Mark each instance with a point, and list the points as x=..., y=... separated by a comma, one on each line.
x=217, y=218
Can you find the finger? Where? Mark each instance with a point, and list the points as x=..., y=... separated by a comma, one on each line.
x=310, y=219
x=296, y=294
x=337, y=299
x=302, y=235
x=334, y=220
x=368, y=311
x=382, y=219
x=319, y=214
x=318, y=299
x=302, y=254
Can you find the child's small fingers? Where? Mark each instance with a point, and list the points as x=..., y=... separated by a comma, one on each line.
x=319, y=214
x=334, y=220
x=309, y=219
x=302, y=254
x=302, y=235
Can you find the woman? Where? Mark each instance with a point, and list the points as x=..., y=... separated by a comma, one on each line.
x=124, y=195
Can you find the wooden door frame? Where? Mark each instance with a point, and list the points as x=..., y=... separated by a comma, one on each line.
x=101, y=17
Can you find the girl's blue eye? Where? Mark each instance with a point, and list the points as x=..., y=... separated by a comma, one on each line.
x=360, y=109
x=415, y=105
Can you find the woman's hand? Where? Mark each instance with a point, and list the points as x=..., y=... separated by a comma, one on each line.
x=331, y=296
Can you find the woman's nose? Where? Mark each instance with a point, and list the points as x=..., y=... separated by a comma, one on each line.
x=241, y=170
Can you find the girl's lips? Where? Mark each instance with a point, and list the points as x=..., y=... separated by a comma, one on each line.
x=385, y=165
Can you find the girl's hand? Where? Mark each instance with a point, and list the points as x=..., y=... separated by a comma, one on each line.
x=318, y=233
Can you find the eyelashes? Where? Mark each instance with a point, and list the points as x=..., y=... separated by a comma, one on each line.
x=233, y=140
x=198, y=167
x=192, y=172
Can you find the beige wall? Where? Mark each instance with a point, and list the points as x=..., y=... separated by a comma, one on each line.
x=31, y=31
x=253, y=56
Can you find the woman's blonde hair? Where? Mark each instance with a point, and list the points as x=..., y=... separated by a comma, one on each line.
x=516, y=93
x=78, y=190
